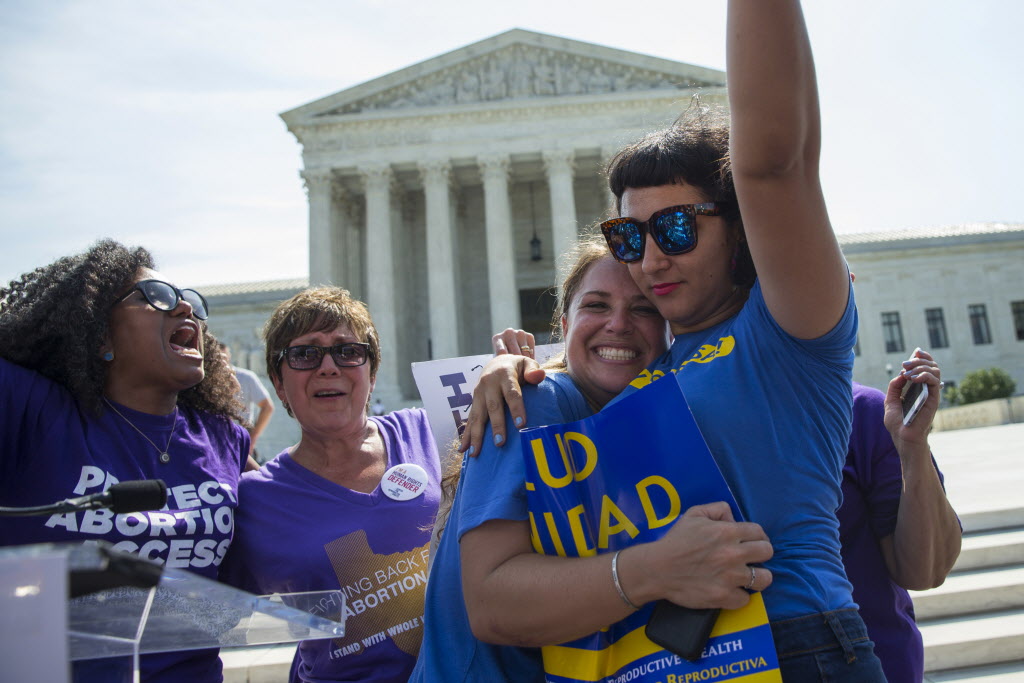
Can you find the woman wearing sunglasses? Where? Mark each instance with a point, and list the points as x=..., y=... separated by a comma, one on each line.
x=105, y=377
x=611, y=332
x=724, y=229
x=350, y=506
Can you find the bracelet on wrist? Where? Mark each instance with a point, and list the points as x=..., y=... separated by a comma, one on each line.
x=618, y=585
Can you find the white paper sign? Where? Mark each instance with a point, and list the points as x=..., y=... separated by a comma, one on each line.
x=446, y=387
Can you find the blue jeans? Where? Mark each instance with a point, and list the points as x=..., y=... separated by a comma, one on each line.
x=828, y=647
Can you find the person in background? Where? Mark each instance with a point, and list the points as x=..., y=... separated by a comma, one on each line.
x=350, y=506
x=108, y=373
x=897, y=529
x=255, y=401
x=378, y=407
x=896, y=526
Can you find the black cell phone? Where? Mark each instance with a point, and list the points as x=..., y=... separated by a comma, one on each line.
x=681, y=630
x=914, y=396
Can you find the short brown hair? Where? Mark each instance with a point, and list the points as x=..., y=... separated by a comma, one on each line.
x=318, y=309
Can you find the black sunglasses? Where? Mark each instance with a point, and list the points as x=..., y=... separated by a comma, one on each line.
x=674, y=230
x=309, y=357
x=165, y=297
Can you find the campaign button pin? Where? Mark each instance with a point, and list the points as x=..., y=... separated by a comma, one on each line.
x=404, y=482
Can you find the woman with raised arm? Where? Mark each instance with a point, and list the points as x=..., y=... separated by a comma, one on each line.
x=107, y=374
x=488, y=587
x=724, y=228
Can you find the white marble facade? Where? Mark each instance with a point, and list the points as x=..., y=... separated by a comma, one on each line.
x=427, y=185
x=956, y=291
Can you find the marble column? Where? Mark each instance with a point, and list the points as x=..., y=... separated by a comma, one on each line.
x=607, y=154
x=501, y=253
x=348, y=243
x=380, y=278
x=444, y=323
x=319, y=189
x=559, y=166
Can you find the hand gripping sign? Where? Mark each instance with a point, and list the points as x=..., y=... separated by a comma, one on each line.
x=622, y=477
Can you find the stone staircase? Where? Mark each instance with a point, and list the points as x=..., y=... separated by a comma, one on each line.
x=973, y=625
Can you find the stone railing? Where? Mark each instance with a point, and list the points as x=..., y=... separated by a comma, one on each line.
x=998, y=411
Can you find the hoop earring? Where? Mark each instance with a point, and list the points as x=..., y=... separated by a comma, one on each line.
x=108, y=356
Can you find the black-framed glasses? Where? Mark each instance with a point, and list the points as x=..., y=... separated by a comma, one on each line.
x=309, y=357
x=164, y=296
x=674, y=230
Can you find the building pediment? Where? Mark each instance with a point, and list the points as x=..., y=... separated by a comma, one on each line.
x=513, y=66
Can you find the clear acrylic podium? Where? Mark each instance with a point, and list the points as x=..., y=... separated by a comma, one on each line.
x=141, y=608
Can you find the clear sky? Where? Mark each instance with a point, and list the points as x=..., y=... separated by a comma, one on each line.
x=156, y=123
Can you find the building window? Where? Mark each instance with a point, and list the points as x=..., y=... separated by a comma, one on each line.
x=979, y=324
x=1018, y=318
x=892, y=331
x=936, y=328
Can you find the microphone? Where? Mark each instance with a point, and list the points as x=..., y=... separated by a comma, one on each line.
x=126, y=496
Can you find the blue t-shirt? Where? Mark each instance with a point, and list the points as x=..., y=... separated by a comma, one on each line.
x=775, y=412
x=492, y=486
x=50, y=450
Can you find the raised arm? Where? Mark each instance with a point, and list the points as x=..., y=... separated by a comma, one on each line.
x=775, y=144
x=517, y=597
x=926, y=542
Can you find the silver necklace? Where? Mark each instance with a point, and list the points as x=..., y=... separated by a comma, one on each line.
x=164, y=455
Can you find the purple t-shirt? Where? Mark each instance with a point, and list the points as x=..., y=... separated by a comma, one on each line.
x=872, y=483
x=51, y=450
x=300, y=532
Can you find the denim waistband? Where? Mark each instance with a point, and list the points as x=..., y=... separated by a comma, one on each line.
x=817, y=632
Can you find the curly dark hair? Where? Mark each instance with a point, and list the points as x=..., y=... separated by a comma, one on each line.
x=54, y=320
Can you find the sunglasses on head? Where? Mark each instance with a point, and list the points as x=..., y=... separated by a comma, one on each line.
x=309, y=357
x=674, y=231
x=165, y=297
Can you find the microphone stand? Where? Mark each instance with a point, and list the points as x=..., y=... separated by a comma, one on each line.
x=115, y=568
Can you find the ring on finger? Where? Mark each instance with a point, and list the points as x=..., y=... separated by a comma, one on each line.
x=526, y=349
x=753, y=578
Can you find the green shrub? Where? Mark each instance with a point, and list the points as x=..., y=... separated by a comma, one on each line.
x=982, y=385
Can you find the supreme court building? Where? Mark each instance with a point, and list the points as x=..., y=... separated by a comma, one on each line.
x=442, y=194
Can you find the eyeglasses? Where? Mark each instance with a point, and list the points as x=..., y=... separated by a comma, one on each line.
x=309, y=357
x=165, y=297
x=674, y=231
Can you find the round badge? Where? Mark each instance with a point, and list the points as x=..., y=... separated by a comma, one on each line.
x=404, y=482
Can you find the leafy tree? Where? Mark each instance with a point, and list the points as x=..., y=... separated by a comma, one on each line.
x=983, y=385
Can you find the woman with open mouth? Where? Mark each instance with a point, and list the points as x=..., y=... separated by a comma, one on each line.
x=104, y=377
x=347, y=508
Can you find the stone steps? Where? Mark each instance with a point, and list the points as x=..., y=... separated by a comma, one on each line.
x=991, y=549
x=1012, y=672
x=973, y=640
x=972, y=592
x=973, y=624
x=266, y=664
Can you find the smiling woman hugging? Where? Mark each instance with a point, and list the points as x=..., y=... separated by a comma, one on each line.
x=104, y=378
